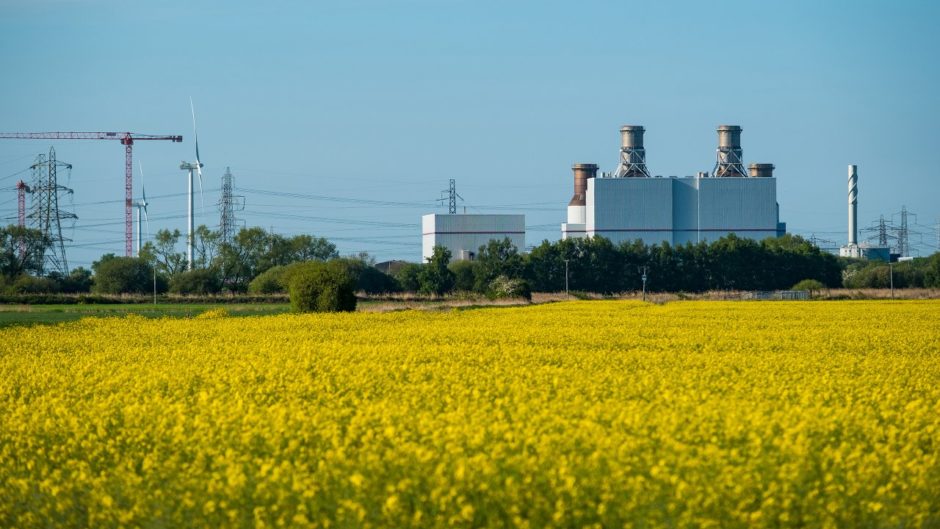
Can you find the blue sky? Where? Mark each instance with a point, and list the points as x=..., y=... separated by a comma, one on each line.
x=381, y=102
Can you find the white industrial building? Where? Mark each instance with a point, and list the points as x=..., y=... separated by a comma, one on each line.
x=464, y=234
x=631, y=204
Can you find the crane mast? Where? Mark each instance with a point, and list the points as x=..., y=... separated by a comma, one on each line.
x=127, y=139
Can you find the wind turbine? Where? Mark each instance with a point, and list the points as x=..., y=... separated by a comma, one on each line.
x=141, y=205
x=188, y=166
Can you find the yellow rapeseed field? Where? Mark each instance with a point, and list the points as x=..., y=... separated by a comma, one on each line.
x=582, y=414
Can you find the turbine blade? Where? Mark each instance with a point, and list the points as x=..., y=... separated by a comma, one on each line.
x=143, y=188
x=192, y=109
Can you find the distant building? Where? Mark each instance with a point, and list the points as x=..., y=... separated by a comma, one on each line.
x=390, y=267
x=677, y=210
x=866, y=251
x=464, y=234
x=630, y=204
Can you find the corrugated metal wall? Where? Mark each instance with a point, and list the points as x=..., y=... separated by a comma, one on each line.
x=744, y=206
x=459, y=233
x=624, y=209
x=680, y=210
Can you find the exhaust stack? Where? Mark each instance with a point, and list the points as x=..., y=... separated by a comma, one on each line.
x=632, y=153
x=730, y=156
x=761, y=170
x=853, y=205
x=577, y=208
x=582, y=171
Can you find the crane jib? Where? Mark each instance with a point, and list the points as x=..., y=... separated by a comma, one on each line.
x=127, y=139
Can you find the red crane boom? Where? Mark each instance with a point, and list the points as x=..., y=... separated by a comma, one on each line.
x=127, y=139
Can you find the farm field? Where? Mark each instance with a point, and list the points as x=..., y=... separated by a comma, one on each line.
x=46, y=314
x=575, y=414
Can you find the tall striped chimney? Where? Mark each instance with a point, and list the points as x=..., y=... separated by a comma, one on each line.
x=853, y=205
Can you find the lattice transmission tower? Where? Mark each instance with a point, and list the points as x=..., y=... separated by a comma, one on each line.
x=904, y=235
x=46, y=214
x=451, y=197
x=229, y=203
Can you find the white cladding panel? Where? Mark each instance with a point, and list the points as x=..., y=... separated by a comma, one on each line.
x=744, y=206
x=685, y=210
x=576, y=214
x=624, y=209
x=466, y=233
x=681, y=210
x=572, y=231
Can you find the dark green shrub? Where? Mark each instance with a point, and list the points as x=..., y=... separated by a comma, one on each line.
x=271, y=281
x=374, y=281
x=435, y=277
x=200, y=281
x=119, y=275
x=463, y=275
x=33, y=285
x=407, y=277
x=323, y=287
x=78, y=281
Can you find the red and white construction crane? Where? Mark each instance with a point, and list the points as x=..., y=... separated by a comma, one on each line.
x=21, y=190
x=127, y=139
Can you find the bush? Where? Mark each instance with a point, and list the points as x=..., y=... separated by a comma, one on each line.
x=435, y=277
x=119, y=275
x=370, y=279
x=33, y=285
x=78, y=281
x=812, y=285
x=407, y=277
x=373, y=281
x=200, y=281
x=271, y=281
x=504, y=287
x=463, y=275
x=323, y=287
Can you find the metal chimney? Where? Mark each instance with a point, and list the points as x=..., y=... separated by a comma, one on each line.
x=632, y=153
x=853, y=205
x=730, y=156
x=761, y=170
x=582, y=171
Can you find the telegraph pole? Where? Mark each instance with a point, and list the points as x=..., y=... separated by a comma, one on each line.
x=891, y=276
x=566, y=280
x=643, y=269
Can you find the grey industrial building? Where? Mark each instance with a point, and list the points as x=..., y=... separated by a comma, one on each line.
x=630, y=204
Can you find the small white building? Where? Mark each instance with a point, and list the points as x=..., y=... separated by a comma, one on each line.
x=464, y=234
x=866, y=251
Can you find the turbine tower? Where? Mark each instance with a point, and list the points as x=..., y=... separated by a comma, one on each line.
x=141, y=205
x=190, y=167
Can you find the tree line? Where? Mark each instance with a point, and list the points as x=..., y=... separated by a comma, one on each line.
x=218, y=266
x=598, y=265
x=256, y=261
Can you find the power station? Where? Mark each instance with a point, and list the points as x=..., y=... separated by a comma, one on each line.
x=630, y=204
